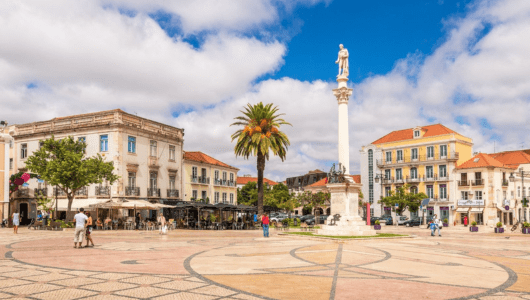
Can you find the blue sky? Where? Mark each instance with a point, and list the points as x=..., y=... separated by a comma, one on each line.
x=195, y=64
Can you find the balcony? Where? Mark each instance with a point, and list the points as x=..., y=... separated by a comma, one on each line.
x=231, y=183
x=82, y=191
x=477, y=182
x=200, y=180
x=463, y=183
x=388, y=181
x=102, y=191
x=409, y=160
x=172, y=193
x=40, y=192
x=23, y=192
x=505, y=183
x=438, y=199
x=132, y=191
x=412, y=180
x=443, y=178
x=217, y=181
x=153, y=192
x=430, y=178
x=399, y=180
x=59, y=192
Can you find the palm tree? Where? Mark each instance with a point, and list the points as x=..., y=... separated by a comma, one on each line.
x=260, y=136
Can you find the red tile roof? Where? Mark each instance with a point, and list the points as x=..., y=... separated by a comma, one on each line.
x=408, y=134
x=512, y=158
x=244, y=180
x=203, y=158
x=324, y=181
x=482, y=160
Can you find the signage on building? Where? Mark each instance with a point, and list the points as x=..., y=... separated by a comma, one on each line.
x=479, y=202
x=387, y=208
x=507, y=207
x=444, y=208
x=430, y=208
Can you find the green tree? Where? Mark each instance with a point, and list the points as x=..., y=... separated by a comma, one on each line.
x=259, y=137
x=313, y=200
x=248, y=194
x=404, y=199
x=63, y=163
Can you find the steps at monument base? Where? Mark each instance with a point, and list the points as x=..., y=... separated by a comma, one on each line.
x=355, y=230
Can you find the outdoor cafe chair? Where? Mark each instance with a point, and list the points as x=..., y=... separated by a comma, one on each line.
x=107, y=225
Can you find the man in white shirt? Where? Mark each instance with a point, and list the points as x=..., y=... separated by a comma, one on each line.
x=80, y=221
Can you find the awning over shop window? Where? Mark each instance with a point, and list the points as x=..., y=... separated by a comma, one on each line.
x=477, y=210
x=462, y=209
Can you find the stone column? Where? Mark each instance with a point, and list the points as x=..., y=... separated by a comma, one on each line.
x=343, y=93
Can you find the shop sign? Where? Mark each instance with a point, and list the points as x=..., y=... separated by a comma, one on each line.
x=387, y=208
x=430, y=208
x=471, y=202
x=444, y=207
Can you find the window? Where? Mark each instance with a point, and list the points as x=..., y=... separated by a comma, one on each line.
x=216, y=174
x=414, y=154
x=23, y=150
x=443, y=191
x=503, y=194
x=399, y=174
x=194, y=172
x=465, y=195
x=387, y=175
x=171, y=152
x=194, y=194
x=132, y=179
x=81, y=139
x=131, y=144
x=11, y=143
x=152, y=180
x=399, y=155
x=443, y=150
x=416, y=133
x=203, y=172
x=430, y=152
x=10, y=164
x=387, y=191
x=152, y=152
x=172, y=182
x=414, y=190
x=224, y=176
x=216, y=197
x=442, y=170
x=231, y=198
x=371, y=211
x=41, y=143
x=414, y=173
x=204, y=195
x=104, y=143
x=388, y=156
x=518, y=191
x=429, y=171
x=224, y=197
x=478, y=195
x=232, y=177
x=430, y=191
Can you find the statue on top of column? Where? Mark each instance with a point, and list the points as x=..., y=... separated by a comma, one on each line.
x=342, y=60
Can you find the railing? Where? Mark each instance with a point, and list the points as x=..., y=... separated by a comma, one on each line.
x=420, y=158
x=231, y=183
x=58, y=192
x=202, y=180
x=436, y=198
x=217, y=181
x=132, y=191
x=41, y=192
x=410, y=179
x=23, y=192
x=153, y=192
x=172, y=193
x=463, y=183
x=477, y=182
x=82, y=191
x=399, y=180
x=505, y=183
x=428, y=178
x=102, y=190
x=443, y=178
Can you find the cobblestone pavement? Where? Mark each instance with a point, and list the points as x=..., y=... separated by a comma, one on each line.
x=243, y=265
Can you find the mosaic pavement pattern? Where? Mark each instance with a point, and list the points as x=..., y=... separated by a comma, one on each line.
x=243, y=265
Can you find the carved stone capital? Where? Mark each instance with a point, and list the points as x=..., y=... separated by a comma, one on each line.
x=342, y=94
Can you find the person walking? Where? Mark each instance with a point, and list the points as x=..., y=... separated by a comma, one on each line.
x=44, y=218
x=80, y=223
x=437, y=224
x=137, y=221
x=89, y=226
x=432, y=226
x=16, y=221
x=265, y=222
x=161, y=224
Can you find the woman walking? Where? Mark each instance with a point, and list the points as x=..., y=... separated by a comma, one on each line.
x=16, y=221
x=161, y=223
x=89, y=230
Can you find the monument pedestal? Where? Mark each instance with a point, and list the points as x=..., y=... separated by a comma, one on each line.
x=345, y=202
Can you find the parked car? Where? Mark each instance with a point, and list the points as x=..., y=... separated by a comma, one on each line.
x=321, y=220
x=384, y=219
x=277, y=219
x=412, y=222
x=388, y=220
x=401, y=219
x=305, y=217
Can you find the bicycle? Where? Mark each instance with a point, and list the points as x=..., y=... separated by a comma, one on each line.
x=514, y=227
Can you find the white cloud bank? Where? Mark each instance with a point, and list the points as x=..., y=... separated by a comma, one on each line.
x=86, y=56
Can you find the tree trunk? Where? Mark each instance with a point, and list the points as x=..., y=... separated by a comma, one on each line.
x=261, y=168
x=69, y=209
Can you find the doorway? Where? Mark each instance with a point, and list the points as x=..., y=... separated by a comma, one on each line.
x=23, y=214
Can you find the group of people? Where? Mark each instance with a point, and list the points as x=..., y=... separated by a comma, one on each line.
x=436, y=224
x=83, y=229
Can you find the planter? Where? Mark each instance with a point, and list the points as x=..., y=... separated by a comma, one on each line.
x=526, y=230
x=377, y=227
x=446, y=224
x=499, y=230
x=473, y=229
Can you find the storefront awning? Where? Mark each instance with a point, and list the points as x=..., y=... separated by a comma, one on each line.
x=77, y=203
x=462, y=209
x=477, y=210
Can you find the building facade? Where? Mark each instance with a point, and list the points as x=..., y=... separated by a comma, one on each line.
x=422, y=157
x=298, y=183
x=147, y=156
x=242, y=180
x=209, y=179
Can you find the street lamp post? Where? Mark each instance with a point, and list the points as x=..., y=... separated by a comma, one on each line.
x=522, y=173
x=381, y=176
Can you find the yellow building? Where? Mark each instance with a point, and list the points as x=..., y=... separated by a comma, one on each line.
x=208, y=178
x=423, y=157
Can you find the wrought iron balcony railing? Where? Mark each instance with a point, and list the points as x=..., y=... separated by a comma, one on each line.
x=132, y=191
x=23, y=192
x=172, y=193
x=102, y=190
x=40, y=192
x=453, y=156
x=58, y=192
x=153, y=192
x=82, y=191
x=477, y=182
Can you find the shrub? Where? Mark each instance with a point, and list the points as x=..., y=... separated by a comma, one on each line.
x=298, y=221
x=377, y=222
x=446, y=221
x=526, y=225
x=474, y=223
x=499, y=224
x=64, y=224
